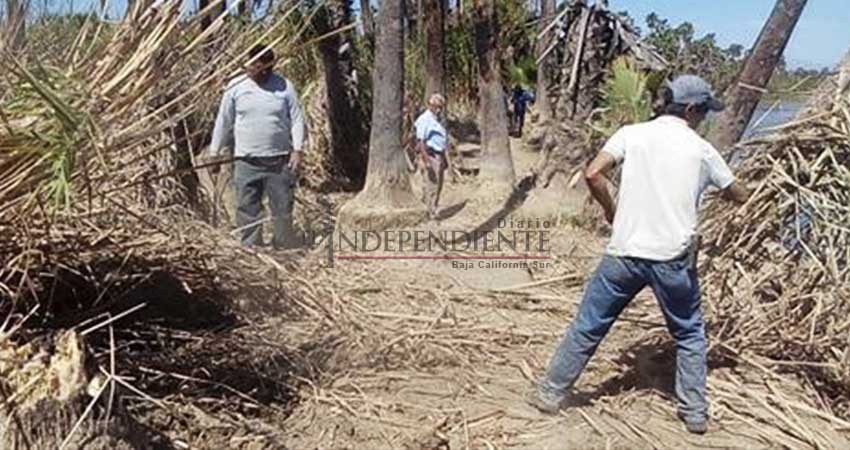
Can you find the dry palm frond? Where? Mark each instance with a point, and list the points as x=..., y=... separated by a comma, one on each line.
x=39, y=159
x=95, y=216
x=779, y=266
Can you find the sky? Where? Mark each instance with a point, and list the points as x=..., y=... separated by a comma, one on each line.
x=821, y=38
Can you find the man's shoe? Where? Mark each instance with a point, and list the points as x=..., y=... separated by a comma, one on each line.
x=695, y=426
x=546, y=406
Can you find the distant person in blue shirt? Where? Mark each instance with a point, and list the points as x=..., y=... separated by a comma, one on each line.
x=260, y=117
x=432, y=142
x=520, y=99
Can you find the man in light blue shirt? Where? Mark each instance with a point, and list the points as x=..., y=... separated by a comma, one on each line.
x=432, y=143
x=260, y=117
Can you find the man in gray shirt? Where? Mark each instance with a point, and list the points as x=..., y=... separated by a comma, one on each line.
x=261, y=118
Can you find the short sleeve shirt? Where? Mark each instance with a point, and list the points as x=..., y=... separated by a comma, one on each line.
x=430, y=131
x=666, y=166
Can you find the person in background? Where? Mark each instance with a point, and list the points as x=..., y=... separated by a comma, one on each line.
x=520, y=98
x=432, y=144
x=666, y=166
x=261, y=118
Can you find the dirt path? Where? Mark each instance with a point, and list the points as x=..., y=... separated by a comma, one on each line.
x=428, y=355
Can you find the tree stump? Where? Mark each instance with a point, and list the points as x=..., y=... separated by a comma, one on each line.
x=46, y=388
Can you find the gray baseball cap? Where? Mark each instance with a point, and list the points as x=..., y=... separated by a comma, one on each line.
x=693, y=90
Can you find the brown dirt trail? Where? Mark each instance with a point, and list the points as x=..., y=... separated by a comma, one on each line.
x=440, y=356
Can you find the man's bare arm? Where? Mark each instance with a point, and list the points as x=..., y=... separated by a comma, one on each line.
x=598, y=182
x=736, y=193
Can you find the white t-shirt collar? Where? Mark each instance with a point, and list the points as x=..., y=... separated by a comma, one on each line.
x=674, y=120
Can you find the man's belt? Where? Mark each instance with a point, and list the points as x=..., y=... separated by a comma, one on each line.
x=265, y=160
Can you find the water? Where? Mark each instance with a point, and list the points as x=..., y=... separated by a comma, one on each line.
x=782, y=113
x=767, y=115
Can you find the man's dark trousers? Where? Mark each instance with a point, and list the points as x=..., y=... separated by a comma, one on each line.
x=254, y=177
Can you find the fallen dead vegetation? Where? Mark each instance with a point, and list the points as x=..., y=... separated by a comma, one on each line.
x=106, y=255
x=777, y=267
x=426, y=362
x=156, y=330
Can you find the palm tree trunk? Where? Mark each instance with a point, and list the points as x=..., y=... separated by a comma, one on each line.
x=387, y=199
x=496, y=163
x=387, y=164
x=346, y=121
x=544, y=103
x=367, y=17
x=435, y=14
x=744, y=95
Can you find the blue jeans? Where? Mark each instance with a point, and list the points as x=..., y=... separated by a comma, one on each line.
x=616, y=281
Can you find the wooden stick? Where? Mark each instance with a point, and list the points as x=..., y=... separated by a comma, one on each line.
x=553, y=22
x=536, y=283
x=113, y=319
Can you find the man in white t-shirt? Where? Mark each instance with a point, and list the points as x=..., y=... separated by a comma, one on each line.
x=666, y=166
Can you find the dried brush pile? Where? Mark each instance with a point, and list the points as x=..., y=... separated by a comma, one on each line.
x=590, y=39
x=101, y=218
x=587, y=85
x=89, y=156
x=779, y=266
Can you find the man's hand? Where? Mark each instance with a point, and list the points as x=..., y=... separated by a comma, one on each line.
x=295, y=161
x=736, y=193
x=609, y=216
x=423, y=153
x=214, y=167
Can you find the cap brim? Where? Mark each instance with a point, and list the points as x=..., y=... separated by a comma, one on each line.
x=715, y=105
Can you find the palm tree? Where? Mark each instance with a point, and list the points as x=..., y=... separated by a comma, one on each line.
x=387, y=199
x=346, y=122
x=496, y=162
x=744, y=95
x=367, y=17
x=435, y=16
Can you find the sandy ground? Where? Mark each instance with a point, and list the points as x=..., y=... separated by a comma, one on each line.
x=454, y=350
